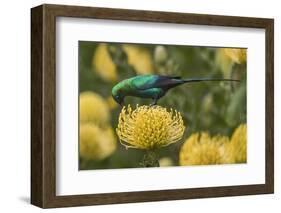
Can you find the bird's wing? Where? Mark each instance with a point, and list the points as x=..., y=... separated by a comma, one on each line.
x=154, y=81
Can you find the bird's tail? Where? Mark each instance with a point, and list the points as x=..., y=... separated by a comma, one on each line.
x=176, y=81
x=207, y=79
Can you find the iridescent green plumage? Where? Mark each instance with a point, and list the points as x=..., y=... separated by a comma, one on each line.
x=150, y=86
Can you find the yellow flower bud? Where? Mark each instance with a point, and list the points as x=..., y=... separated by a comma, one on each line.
x=160, y=54
x=166, y=161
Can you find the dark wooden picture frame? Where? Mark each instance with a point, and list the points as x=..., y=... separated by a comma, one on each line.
x=43, y=105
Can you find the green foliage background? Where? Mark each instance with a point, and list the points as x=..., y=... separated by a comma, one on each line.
x=214, y=107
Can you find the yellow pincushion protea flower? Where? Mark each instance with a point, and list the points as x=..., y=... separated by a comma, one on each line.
x=238, y=145
x=103, y=64
x=96, y=143
x=93, y=108
x=237, y=55
x=139, y=58
x=202, y=149
x=149, y=127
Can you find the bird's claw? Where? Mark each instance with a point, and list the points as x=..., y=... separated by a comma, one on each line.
x=153, y=103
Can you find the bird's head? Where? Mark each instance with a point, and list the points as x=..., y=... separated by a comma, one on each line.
x=117, y=95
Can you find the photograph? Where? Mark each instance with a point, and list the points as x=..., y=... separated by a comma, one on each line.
x=161, y=105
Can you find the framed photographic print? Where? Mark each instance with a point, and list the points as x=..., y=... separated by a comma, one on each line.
x=136, y=106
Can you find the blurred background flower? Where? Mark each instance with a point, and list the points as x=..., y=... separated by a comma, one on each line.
x=139, y=58
x=149, y=127
x=97, y=139
x=160, y=54
x=96, y=143
x=164, y=64
x=202, y=149
x=165, y=162
x=104, y=66
x=236, y=55
x=237, y=148
x=231, y=61
x=93, y=108
x=111, y=103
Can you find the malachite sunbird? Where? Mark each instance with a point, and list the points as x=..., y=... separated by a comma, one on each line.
x=151, y=86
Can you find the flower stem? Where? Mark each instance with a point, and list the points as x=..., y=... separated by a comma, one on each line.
x=150, y=159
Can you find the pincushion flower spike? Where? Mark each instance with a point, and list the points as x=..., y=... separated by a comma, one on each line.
x=149, y=128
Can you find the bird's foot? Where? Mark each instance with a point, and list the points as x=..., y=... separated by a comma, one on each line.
x=153, y=103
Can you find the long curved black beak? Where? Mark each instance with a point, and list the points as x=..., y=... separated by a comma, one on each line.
x=121, y=104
